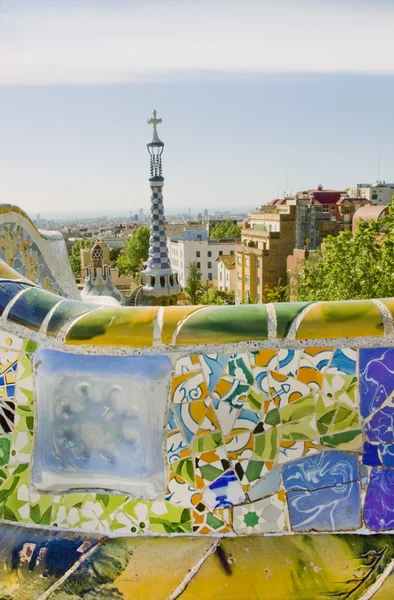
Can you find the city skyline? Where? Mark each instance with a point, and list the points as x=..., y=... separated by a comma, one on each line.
x=242, y=124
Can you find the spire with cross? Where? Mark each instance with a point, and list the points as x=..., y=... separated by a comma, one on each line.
x=155, y=148
x=155, y=121
x=161, y=285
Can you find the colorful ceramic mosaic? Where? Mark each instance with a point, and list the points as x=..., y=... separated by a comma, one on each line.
x=262, y=442
x=233, y=432
x=19, y=251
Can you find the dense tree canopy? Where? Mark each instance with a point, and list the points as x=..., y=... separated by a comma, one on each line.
x=114, y=254
x=75, y=256
x=204, y=293
x=351, y=267
x=135, y=251
x=193, y=287
x=227, y=229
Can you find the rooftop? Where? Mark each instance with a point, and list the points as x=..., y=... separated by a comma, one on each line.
x=228, y=260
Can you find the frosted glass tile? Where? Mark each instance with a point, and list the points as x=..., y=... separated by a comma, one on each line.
x=100, y=422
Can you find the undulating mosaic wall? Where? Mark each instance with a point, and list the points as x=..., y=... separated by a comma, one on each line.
x=202, y=452
x=40, y=256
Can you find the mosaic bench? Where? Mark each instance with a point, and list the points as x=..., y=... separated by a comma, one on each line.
x=212, y=422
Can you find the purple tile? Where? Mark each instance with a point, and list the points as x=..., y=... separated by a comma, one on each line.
x=376, y=378
x=379, y=500
x=381, y=426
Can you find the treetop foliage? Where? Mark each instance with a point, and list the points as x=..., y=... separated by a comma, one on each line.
x=75, y=256
x=227, y=229
x=135, y=251
x=351, y=267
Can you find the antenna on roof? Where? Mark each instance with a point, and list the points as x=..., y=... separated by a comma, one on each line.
x=379, y=165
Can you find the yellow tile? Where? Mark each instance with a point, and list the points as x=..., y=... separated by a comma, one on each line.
x=123, y=326
x=350, y=318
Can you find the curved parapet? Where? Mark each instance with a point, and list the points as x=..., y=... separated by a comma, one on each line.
x=40, y=256
x=263, y=431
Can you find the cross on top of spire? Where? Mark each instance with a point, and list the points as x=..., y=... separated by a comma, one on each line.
x=155, y=121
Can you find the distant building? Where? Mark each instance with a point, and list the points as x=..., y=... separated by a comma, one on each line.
x=319, y=213
x=195, y=246
x=369, y=213
x=226, y=273
x=99, y=288
x=379, y=194
x=267, y=238
x=123, y=283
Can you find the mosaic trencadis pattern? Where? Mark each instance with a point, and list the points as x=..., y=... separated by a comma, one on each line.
x=18, y=250
x=254, y=443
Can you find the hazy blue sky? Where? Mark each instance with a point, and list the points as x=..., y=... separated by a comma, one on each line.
x=248, y=90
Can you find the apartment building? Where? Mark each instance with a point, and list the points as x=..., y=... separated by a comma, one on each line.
x=379, y=194
x=196, y=246
x=226, y=273
x=267, y=238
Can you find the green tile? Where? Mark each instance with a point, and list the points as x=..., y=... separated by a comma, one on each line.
x=286, y=312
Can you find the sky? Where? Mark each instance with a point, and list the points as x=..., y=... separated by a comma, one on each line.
x=257, y=97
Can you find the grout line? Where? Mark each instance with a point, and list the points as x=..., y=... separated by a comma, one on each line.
x=386, y=317
x=71, y=570
x=193, y=571
x=378, y=583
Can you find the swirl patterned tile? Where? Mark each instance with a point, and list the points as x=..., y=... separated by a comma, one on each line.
x=323, y=470
x=336, y=508
x=376, y=378
x=379, y=500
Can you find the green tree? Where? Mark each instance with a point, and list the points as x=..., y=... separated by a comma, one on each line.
x=278, y=293
x=135, y=251
x=211, y=295
x=351, y=267
x=75, y=256
x=227, y=229
x=114, y=254
x=194, y=288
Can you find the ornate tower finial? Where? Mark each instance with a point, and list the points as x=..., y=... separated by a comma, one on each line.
x=154, y=121
x=155, y=148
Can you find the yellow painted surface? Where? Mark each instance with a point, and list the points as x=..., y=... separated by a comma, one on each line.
x=123, y=326
x=172, y=316
x=8, y=272
x=341, y=319
x=158, y=565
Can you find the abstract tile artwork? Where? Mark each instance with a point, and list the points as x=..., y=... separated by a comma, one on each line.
x=18, y=249
x=252, y=443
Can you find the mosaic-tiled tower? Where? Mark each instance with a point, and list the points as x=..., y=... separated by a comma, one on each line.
x=161, y=286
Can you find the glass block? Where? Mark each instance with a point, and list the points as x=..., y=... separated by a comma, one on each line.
x=100, y=422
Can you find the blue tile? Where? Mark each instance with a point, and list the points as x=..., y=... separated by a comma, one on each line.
x=371, y=455
x=343, y=363
x=100, y=422
x=336, y=508
x=8, y=291
x=322, y=470
x=386, y=452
